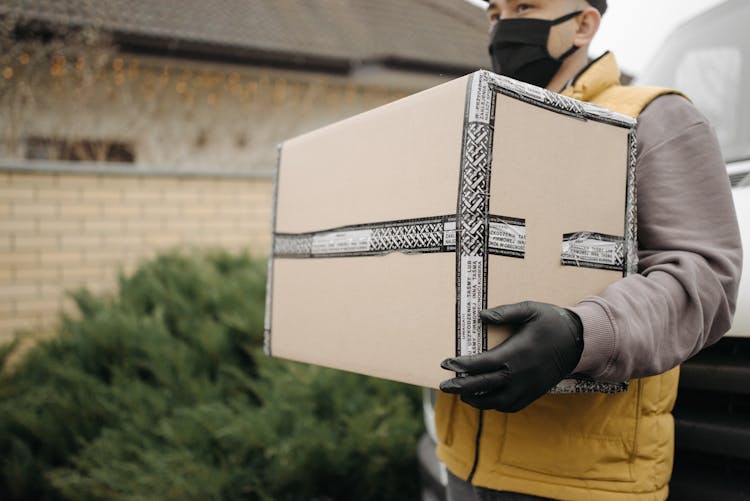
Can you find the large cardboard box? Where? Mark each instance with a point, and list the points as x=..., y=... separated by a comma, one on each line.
x=393, y=228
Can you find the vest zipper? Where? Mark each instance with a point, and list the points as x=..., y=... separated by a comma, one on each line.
x=476, y=447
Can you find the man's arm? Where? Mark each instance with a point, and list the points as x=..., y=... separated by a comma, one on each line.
x=683, y=298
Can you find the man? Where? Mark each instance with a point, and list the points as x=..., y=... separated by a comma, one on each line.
x=501, y=435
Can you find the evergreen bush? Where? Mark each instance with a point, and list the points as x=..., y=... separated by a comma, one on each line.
x=162, y=392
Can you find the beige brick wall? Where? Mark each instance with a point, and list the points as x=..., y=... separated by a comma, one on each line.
x=60, y=231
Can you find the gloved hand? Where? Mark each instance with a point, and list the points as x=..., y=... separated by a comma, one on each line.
x=545, y=347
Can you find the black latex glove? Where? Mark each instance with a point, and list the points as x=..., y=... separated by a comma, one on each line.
x=545, y=347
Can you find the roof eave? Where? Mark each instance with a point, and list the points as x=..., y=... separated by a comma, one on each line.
x=199, y=50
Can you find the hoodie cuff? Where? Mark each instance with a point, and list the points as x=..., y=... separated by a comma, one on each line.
x=598, y=339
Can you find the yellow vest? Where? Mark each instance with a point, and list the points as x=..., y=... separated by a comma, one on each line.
x=580, y=446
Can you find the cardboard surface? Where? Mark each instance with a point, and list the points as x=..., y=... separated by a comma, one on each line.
x=399, y=161
x=380, y=315
x=403, y=336
x=394, y=227
x=568, y=176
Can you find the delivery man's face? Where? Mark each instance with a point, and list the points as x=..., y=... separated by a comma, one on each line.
x=561, y=36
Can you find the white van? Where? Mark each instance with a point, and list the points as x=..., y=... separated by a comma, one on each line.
x=708, y=58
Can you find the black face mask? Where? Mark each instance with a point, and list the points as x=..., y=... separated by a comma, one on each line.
x=518, y=48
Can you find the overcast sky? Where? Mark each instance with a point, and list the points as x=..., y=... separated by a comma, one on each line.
x=634, y=29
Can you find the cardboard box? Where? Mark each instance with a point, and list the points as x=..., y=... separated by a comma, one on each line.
x=393, y=228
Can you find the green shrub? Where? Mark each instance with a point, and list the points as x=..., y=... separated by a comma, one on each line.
x=162, y=392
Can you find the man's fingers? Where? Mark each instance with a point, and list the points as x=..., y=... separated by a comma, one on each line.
x=493, y=360
x=512, y=314
x=482, y=383
x=474, y=364
x=501, y=400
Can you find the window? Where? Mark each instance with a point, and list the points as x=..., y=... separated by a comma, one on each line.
x=708, y=58
x=711, y=76
x=79, y=150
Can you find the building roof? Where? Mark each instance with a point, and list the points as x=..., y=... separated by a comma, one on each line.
x=445, y=36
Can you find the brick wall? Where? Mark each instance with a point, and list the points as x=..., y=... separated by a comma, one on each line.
x=62, y=230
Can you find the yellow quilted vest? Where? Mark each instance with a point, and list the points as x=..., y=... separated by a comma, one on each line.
x=580, y=446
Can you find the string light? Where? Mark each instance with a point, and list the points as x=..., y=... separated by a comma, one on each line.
x=191, y=86
x=164, y=79
x=279, y=91
x=133, y=69
x=59, y=64
x=214, y=84
x=350, y=94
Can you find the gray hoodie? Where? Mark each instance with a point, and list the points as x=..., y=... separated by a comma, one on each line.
x=684, y=296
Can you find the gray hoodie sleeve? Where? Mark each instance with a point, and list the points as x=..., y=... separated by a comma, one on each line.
x=684, y=296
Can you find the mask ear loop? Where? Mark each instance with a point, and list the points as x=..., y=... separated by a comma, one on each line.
x=566, y=17
x=568, y=53
x=559, y=20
